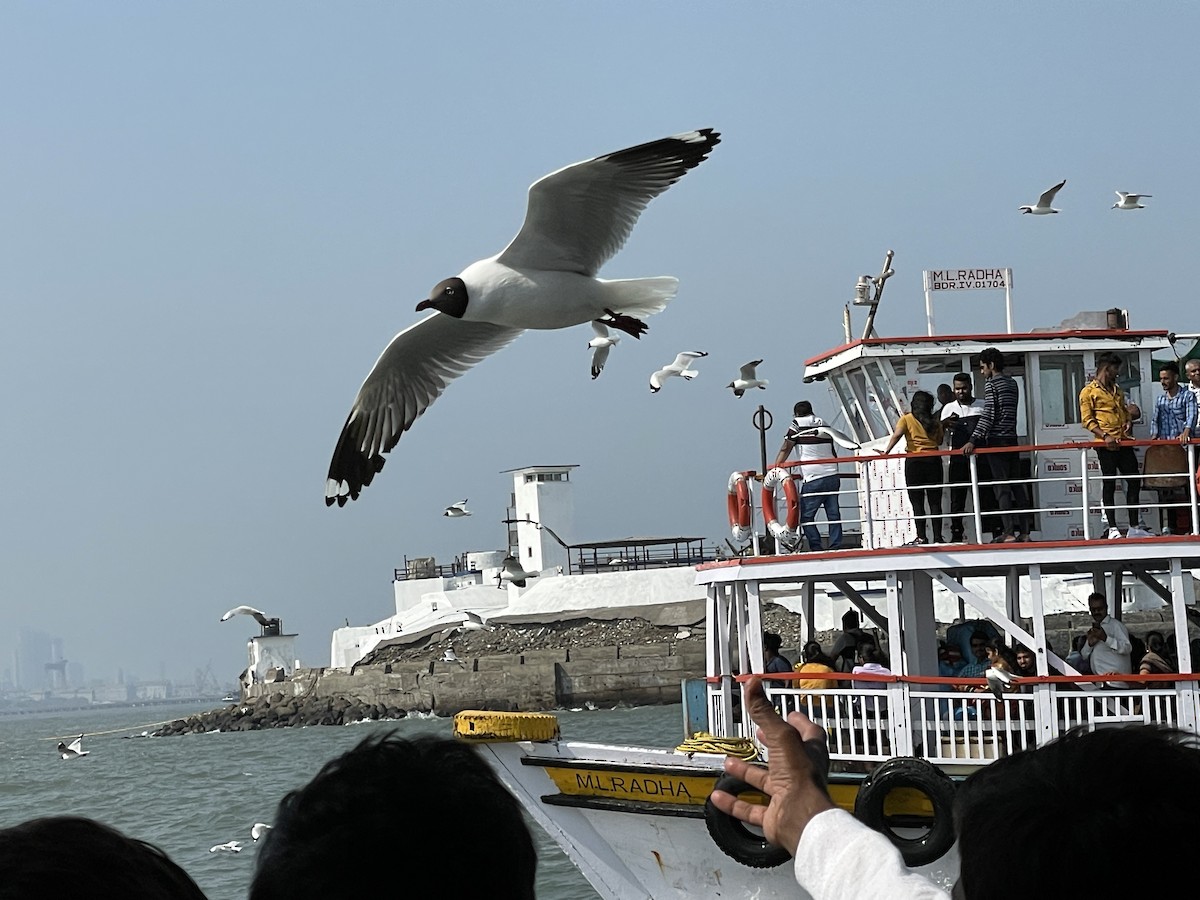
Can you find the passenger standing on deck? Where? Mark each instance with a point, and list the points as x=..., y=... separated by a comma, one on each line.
x=1192, y=370
x=1103, y=412
x=997, y=427
x=1107, y=647
x=922, y=433
x=845, y=648
x=1175, y=409
x=959, y=418
x=820, y=481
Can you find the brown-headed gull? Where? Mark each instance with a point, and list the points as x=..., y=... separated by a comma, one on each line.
x=576, y=219
x=600, y=345
x=73, y=750
x=1129, y=201
x=682, y=366
x=457, y=510
x=1000, y=681
x=511, y=571
x=1043, y=207
x=747, y=379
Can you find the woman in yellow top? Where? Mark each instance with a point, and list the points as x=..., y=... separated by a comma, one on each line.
x=922, y=432
x=816, y=662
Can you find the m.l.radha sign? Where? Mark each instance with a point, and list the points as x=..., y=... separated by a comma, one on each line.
x=967, y=280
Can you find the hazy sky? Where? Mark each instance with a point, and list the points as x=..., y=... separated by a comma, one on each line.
x=213, y=217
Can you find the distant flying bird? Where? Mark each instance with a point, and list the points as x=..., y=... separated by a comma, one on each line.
x=681, y=367
x=747, y=379
x=600, y=346
x=617, y=561
x=1000, y=681
x=473, y=622
x=259, y=829
x=1129, y=201
x=457, y=510
x=451, y=657
x=227, y=847
x=577, y=218
x=73, y=750
x=259, y=616
x=512, y=572
x=1043, y=207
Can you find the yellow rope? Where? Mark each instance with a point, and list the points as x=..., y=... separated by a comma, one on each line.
x=703, y=742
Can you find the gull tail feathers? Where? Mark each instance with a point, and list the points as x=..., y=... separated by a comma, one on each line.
x=640, y=297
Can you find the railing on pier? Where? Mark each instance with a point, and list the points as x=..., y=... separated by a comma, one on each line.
x=877, y=505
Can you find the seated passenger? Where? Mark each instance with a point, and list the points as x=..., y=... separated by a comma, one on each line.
x=870, y=662
x=1075, y=658
x=978, y=665
x=1026, y=662
x=950, y=660
x=1154, y=661
x=773, y=660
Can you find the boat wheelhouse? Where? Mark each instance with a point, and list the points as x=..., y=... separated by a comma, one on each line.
x=634, y=819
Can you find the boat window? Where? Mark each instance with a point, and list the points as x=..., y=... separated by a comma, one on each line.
x=1129, y=378
x=885, y=408
x=1061, y=379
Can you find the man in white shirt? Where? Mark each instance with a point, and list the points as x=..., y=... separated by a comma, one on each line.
x=820, y=480
x=959, y=418
x=1108, y=646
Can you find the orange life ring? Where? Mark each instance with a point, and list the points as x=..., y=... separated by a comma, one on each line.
x=786, y=534
x=737, y=503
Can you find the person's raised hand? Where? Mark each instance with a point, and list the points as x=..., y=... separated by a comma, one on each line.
x=793, y=780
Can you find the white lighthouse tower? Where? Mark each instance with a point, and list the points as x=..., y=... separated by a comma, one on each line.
x=544, y=514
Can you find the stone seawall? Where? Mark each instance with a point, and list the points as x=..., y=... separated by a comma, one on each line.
x=537, y=680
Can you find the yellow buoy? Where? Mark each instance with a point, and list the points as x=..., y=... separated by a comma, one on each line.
x=483, y=725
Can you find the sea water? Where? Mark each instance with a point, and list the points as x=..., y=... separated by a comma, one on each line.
x=188, y=793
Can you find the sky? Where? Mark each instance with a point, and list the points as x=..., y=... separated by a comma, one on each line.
x=214, y=216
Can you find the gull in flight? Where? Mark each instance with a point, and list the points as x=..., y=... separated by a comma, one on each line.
x=259, y=829
x=512, y=571
x=259, y=616
x=473, y=622
x=227, y=847
x=457, y=510
x=1000, y=681
x=1043, y=207
x=576, y=219
x=682, y=366
x=601, y=344
x=451, y=657
x=747, y=379
x=73, y=750
x=1129, y=201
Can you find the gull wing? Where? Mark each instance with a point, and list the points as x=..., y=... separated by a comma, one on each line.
x=1048, y=196
x=599, y=328
x=599, y=358
x=409, y=375
x=259, y=615
x=684, y=359
x=747, y=370
x=578, y=217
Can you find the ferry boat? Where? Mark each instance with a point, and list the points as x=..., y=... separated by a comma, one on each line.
x=634, y=819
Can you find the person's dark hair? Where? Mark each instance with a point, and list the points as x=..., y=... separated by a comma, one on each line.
x=964, y=378
x=1078, y=641
x=1085, y=784
x=1170, y=366
x=772, y=641
x=1005, y=652
x=869, y=653
x=945, y=390
x=993, y=358
x=61, y=856
x=429, y=803
x=1107, y=358
x=1155, y=642
x=812, y=652
x=849, y=620
x=922, y=410
x=802, y=408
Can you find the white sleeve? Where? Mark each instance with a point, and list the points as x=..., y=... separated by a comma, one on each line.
x=838, y=856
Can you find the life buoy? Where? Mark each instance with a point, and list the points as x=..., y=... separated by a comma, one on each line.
x=787, y=535
x=919, y=775
x=734, y=837
x=738, y=505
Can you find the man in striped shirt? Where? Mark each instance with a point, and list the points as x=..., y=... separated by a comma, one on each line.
x=997, y=427
x=1175, y=408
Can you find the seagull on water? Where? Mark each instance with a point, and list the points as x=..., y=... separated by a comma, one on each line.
x=227, y=847
x=600, y=345
x=259, y=616
x=511, y=571
x=576, y=219
x=1043, y=207
x=747, y=379
x=1129, y=201
x=73, y=750
x=259, y=829
x=682, y=366
x=457, y=510
x=1000, y=681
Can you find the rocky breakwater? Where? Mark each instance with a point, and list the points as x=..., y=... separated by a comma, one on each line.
x=281, y=710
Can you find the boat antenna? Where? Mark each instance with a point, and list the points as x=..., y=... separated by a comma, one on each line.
x=863, y=297
x=762, y=421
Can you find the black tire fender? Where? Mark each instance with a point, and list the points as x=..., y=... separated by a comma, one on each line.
x=734, y=837
x=920, y=775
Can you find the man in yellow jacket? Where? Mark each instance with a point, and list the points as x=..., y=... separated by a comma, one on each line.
x=1104, y=413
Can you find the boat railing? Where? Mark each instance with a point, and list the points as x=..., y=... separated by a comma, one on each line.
x=881, y=511
x=958, y=722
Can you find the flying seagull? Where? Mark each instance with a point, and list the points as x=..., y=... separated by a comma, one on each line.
x=473, y=622
x=681, y=367
x=228, y=847
x=73, y=750
x=577, y=218
x=259, y=829
x=451, y=657
x=513, y=572
x=259, y=616
x=747, y=379
x=1129, y=201
x=457, y=510
x=1043, y=207
x=1000, y=681
x=600, y=345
